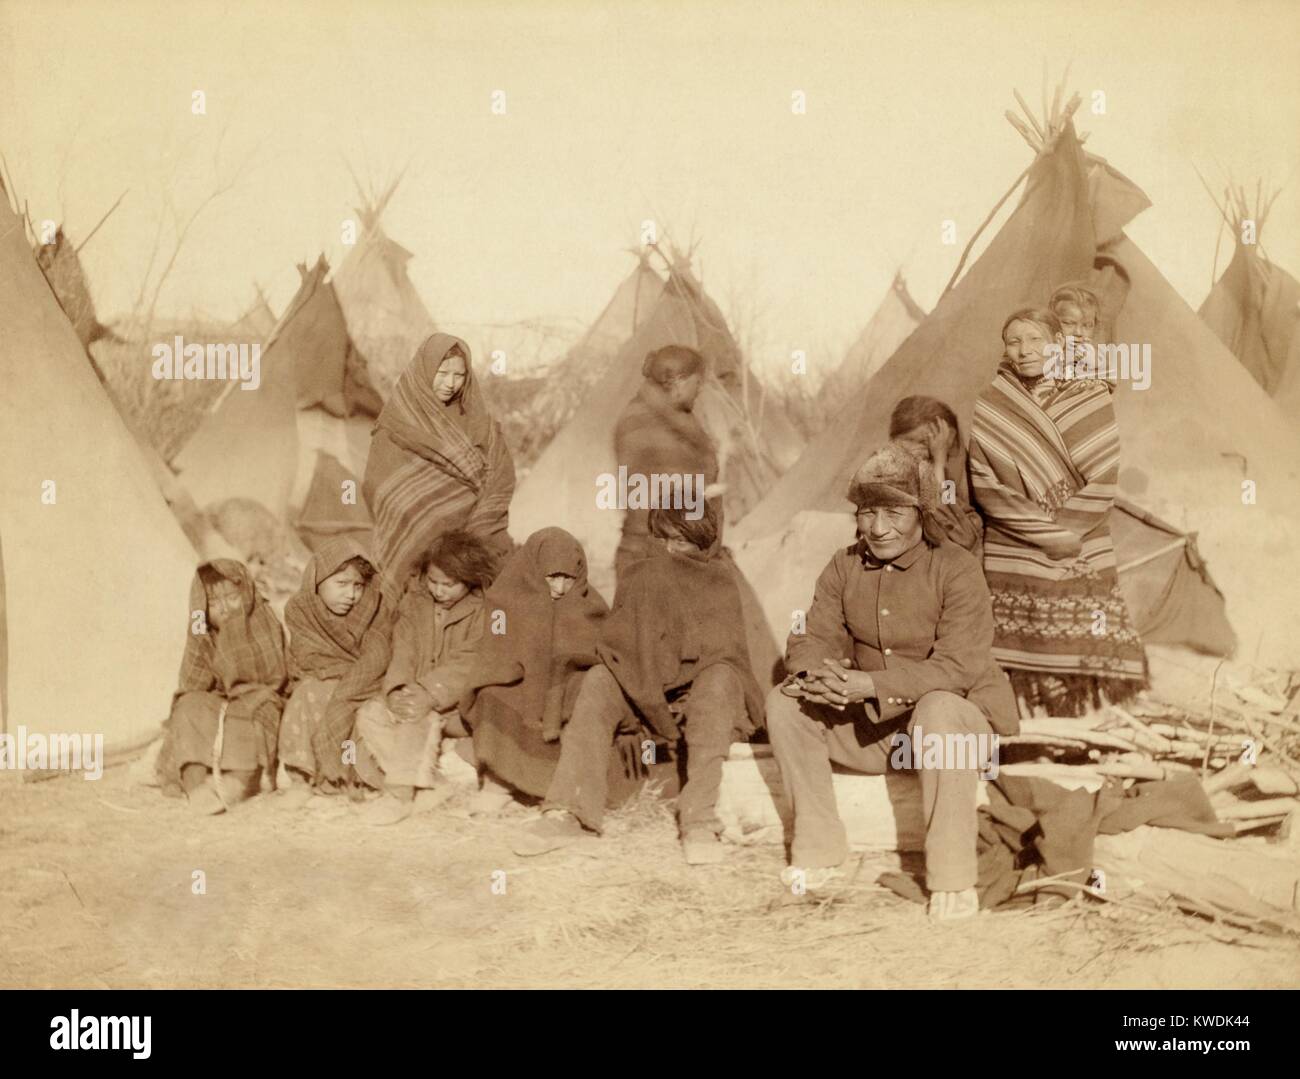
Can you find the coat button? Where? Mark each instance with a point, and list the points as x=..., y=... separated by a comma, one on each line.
x=889, y=651
x=884, y=610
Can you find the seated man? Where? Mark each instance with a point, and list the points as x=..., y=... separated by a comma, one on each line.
x=673, y=664
x=899, y=637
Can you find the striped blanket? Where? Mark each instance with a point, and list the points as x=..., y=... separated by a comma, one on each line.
x=434, y=467
x=1044, y=464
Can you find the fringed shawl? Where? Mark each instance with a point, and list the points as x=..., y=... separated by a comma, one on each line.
x=521, y=690
x=1044, y=472
x=353, y=648
x=244, y=659
x=433, y=467
x=674, y=615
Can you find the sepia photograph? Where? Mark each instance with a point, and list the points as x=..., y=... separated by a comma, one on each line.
x=657, y=495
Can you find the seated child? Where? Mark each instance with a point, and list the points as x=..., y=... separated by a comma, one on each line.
x=226, y=712
x=528, y=671
x=339, y=627
x=439, y=625
x=673, y=656
x=927, y=429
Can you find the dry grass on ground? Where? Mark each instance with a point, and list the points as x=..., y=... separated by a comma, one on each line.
x=96, y=890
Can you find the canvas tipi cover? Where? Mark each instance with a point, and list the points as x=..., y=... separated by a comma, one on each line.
x=247, y=443
x=258, y=320
x=896, y=317
x=96, y=583
x=335, y=402
x=776, y=438
x=630, y=305
x=386, y=319
x=530, y=426
x=333, y=505
x=1254, y=309
x=1189, y=442
x=313, y=339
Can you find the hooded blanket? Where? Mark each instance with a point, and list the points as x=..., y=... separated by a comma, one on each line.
x=523, y=686
x=241, y=664
x=434, y=467
x=351, y=650
x=243, y=660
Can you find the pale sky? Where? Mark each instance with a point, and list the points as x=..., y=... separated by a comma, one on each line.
x=616, y=113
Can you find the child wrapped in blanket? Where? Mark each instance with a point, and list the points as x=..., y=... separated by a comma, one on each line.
x=529, y=669
x=226, y=712
x=339, y=626
x=440, y=623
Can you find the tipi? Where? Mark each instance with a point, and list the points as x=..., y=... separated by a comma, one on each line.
x=1254, y=308
x=1201, y=445
x=247, y=443
x=313, y=339
x=92, y=555
x=333, y=505
x=336, y=402
x=532, y=407
x=896, y=317
x=59, y=263
x=259, y=320
x=764, y=419
x=386, y=318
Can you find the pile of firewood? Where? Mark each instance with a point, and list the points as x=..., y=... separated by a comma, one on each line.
x=1244, y=743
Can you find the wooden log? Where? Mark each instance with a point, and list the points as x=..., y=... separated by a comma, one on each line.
x=1143, y=735
x=749, y=750
x=1135, y=770
x=1268, y=780
x=1240, y=716
x=1063, y=728
x=1243, y=826
x=1256, y=880
x=1181, y=735
x=1041, y=740
x=879, y=812
x=1268, y=807
x=1235, y=775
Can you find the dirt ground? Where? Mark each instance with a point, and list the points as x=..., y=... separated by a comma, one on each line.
x=97, y=889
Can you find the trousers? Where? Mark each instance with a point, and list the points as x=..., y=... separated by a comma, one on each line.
x=807, y=738
x=401, y=752
x=248, y=739
x=714, y=706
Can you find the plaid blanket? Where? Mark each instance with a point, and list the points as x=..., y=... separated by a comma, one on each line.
x=243, y=662
x=353, y=648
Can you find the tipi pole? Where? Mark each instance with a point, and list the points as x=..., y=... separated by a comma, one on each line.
x=982, y=226
x=77, y=250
